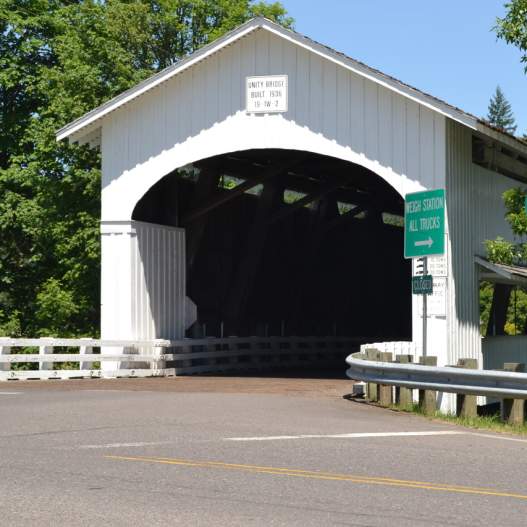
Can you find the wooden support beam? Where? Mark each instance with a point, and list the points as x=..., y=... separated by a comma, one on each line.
x=223, y=198
x=249, y=265
x=343, y=218
x=206, y=187
x=494, y=157
x=229, y=195
x=298, y=179
x=307, y=166
x=326, y=213
x=498, y=309
x=314, y=196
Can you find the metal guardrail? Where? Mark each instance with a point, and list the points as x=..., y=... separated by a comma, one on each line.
x=185, y=356
x=492, y=383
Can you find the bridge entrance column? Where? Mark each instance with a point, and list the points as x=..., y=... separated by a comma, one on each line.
x=143, y=294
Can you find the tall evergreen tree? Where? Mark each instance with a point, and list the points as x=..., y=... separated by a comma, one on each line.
x=500, y=112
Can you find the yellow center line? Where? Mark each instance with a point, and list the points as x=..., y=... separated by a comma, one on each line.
x=219, y=464
x=256, y=469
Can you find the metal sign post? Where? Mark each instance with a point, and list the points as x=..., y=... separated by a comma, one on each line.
x=424, y=235
x=425, y=314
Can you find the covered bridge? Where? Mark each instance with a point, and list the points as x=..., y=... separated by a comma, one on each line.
x=258, y=186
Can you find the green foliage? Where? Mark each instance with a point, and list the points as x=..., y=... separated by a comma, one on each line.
x=509, y=253
x=504, y=252
x=513, y=26
x=486, y=291
x=500, y=112
x=491, y=422
x=516, y=313
x=59, y=59
x=514, y=200
x=55, y=307
x=501, y=250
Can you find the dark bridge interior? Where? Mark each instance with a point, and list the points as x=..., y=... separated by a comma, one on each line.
x=288, y=242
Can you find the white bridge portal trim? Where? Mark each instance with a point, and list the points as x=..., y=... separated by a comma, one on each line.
x=236, y=133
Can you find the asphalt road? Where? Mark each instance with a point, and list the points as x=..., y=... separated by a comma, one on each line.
x=206, y=451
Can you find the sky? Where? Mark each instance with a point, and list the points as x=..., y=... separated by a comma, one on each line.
x=444, y=47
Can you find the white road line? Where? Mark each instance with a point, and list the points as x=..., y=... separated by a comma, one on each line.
x=10, y=393
x=124, y=445
x=350, y=436
x=504, y=438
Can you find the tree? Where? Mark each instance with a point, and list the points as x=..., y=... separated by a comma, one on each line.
x=500, y=113
x=510, y=253
x=59, y=59
x=513, y=26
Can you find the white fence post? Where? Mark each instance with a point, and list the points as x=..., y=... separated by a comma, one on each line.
x=85, y=350
x=157, y=351
x=46, y=350
x=5, y=350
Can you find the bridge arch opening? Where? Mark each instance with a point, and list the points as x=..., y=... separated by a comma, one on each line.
x=288, y=242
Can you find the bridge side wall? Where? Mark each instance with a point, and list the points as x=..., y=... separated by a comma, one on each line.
x=143, y=281
x=475, y=213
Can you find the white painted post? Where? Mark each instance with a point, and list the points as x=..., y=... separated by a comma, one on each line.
x=157, y=351
x=5, y=350
x=85, y=350
x=46, y=350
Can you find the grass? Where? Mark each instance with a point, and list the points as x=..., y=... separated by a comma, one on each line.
x=488, y=422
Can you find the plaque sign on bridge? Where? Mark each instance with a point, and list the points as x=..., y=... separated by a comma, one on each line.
x=267, y=94
x=424, y=223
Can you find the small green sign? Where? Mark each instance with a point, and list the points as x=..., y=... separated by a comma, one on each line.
x=424, y=223
x=422, y=285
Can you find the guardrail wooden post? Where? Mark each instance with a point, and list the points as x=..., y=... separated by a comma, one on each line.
x=213, y=360
x=404, y=397
x=5, y=350
x=428, y=398
x=466, y=405
x=385, y=391
x=274, y=351
x=186, y=363
x=372, y=388
x=513, y=410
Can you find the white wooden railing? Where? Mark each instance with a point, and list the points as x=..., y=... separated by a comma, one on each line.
x=398, y=347
x=136, y=358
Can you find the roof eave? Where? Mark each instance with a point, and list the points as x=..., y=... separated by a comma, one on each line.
x=497, y=273
x=97, y=113
x=424, y=99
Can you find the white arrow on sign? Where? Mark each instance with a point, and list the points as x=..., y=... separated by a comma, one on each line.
x=421, y=243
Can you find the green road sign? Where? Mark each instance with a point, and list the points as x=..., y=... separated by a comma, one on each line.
x=424, y=223
x=422, y=285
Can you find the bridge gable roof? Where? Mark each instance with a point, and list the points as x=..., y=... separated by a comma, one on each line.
x=91, y=121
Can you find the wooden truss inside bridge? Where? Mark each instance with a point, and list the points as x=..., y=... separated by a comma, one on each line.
x=288, y=241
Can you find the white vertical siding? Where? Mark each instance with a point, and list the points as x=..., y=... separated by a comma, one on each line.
x=143, y=281
x=398, y=134
x=475, y=213
x=158, y=281
x=403, y=139
x=300, y=94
